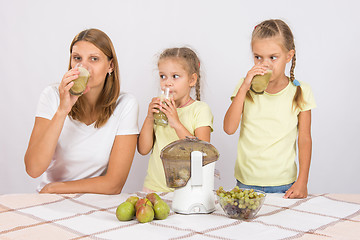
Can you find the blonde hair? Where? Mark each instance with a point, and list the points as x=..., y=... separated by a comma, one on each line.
x=278, y=28
x=191, y=60
x=106, y=102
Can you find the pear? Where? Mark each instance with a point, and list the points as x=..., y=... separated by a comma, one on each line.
x=153, y=198
x=125, y=211
x=145, y=213
x=161, y=210
x=132, y=199
x=141, y=202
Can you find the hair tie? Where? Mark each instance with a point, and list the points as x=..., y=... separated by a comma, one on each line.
x=256, y=27
x=296, y=83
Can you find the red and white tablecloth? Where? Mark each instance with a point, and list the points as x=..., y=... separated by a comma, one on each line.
x=92, y=216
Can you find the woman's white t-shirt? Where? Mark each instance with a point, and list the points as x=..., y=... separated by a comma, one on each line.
x=83, y=151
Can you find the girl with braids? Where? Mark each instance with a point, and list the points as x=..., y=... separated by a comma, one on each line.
x=179, y=70
x=85, y=144
x=271, y=122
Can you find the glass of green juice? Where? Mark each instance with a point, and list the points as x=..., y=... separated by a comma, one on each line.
x=260, y=82
x=80, y=83
x=160, y=118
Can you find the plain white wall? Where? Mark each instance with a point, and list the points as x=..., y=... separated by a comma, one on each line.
x=35, y=39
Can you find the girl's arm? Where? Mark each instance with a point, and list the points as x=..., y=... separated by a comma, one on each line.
x=46, y=132
x=299, y=188
x=233, y=115
x=202, y=133
x=146, y=136
x=112, y=182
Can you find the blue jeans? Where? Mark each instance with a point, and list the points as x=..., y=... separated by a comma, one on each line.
x=267, y=189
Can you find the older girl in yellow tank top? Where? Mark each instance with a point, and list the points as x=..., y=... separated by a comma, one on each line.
x=270, y=122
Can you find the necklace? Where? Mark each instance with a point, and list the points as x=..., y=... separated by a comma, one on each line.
x=185, y=103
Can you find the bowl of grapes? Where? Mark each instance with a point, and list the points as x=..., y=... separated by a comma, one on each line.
x=240, y=203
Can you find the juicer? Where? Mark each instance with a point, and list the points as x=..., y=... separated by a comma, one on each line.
x=189, y=166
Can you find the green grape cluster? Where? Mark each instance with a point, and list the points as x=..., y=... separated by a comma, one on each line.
x=240, y=203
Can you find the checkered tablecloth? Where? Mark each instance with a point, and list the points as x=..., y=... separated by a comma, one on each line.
x=92, y=216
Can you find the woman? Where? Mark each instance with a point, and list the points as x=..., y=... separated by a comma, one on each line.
x=85, y=144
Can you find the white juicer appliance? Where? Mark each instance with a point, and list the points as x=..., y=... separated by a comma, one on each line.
x=189, y=166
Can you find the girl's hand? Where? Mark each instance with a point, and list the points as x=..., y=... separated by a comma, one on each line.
x=68, y=100
x=154, y=107
x=257, y=69
x=171, y=112
x=297, y=190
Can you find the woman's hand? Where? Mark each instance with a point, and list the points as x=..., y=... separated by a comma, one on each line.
x=52, y=187
x=257, y=69
x=68, y=100
x=297, y=190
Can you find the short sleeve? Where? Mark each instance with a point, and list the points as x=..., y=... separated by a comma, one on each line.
x=127, y=111
x=48, y=102
x=237, y=88
x=308, y=97
x=203, y=116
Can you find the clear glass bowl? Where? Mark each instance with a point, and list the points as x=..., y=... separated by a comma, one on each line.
x=241, y=203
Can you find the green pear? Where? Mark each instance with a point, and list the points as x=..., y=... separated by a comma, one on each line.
x=125, y=211
x=141, y=202
x=161, y=210
x=153, y=198
x=145, y=213
x=132, y=199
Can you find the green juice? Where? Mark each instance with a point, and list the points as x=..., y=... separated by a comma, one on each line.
x=260, y=82
x=160, y=118
x=80, y=83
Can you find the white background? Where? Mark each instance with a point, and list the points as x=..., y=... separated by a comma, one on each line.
x=35, y=38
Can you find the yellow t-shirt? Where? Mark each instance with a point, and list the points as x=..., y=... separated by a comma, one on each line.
x=266, y=149
x=197, y=114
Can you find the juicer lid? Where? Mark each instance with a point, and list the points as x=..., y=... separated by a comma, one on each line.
x=176, y=158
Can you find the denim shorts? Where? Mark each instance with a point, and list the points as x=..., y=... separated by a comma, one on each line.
x=267, y=189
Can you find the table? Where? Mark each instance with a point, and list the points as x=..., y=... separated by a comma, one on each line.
x=92, y=216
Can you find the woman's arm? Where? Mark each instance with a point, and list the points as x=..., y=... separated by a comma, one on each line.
x=113, y=181
x=299, y=188
x=42, y=143
x=46, y=132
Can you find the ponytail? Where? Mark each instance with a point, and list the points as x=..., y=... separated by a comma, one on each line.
x=298, y=100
